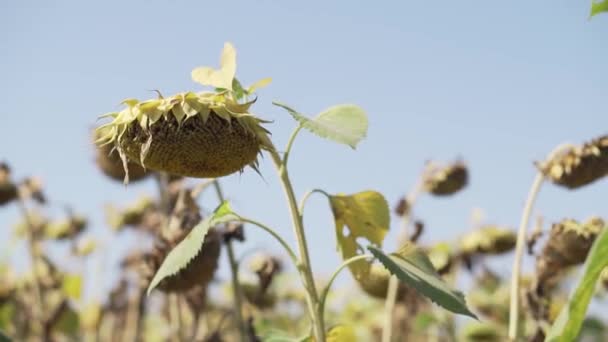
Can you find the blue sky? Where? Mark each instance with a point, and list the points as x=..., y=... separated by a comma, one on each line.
x=498, y=84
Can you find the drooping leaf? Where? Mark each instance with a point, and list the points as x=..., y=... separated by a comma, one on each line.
x=599, y=6
x=366, y=215
x=344, y=124
x=221, y=78
x=414, y=268
x=72, y=286
x=191, y=245
x=568, y=324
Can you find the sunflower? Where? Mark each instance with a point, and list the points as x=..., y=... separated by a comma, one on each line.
x=192, y=134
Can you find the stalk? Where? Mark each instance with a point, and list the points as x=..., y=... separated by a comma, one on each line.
x=519, y=252
x=234, y=272
x=393, y=284
x=304, y=264
x=325, y=291
x=38, y=296
x=521, y=242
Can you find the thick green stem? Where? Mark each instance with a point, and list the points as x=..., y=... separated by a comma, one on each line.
x=305, y=268
x=519, y=252
x=345, y=264
x=393, y=284
x=234, y=271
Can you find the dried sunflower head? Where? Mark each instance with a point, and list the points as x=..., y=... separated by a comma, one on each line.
x=205, y=134
x=442, y=180
x=109, y=162
x=568, y=245
x=375, y=283
x=201, y=269
x=488, y=240
x=8, y=190
x=65, y=229
x=576, y=166
x=131, y=216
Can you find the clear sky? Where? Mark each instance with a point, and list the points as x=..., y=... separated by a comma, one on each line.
x=498, y=84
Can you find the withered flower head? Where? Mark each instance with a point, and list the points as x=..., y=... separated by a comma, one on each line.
x=488, y=240
x=131, y=216
x=375, y=283
x=266, y=267
x=109, y=162
x=442, y=180
x=205, y=134
x=576, y=166
x=201, y=268
x=65, y=229
x=568, y=245
x=8, y=190
x=32, y=187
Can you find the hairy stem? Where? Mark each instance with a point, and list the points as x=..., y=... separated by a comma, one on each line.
x=234, y=272
x=305, y=268
x=393, y=284
x=519, y=252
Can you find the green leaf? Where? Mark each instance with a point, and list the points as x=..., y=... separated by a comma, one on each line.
x=4, y=338
x=191, y=245
x=568, y=324
x=344, y=124
x=414, y=268
x=598, y=7
x=72, y=286
x=366, y=214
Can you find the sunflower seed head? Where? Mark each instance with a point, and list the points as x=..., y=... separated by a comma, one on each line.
x=576, y=166
x=446, y=180
x=568, y=245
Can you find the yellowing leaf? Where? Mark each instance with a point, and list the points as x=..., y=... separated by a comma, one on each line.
x=341, y=333
x=72, y=286
x=366, y=215
x=221, y=78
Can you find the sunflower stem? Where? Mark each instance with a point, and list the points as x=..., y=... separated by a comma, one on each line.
x=519, y=252
x=38, y=312
x=393, y=284
x=312, y=298
x=327, y=287
x=234, y=272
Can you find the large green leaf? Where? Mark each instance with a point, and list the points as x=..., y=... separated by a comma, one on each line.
x=365, y=214
x=413, y=267
x=568, y=324
x=191, y=245
x=345, y=124
x=598, y=7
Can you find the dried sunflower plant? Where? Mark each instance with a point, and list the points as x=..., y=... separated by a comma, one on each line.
x=214, y=133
